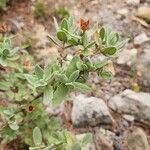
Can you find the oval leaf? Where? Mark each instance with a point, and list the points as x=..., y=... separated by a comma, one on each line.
x=59, y=95
x=37, y=136
x=48, y=95
x=74, y=76
x=109, y=51
x=62, y=36
x=102, y=33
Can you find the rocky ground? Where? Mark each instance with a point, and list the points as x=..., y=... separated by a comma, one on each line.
x=117, y=112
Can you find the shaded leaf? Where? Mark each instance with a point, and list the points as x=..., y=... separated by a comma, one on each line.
x=109, y=51
x=102, y=33
x=105, y=74
x=62, y=36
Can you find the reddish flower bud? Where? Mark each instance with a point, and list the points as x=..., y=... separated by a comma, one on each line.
x=30, y=108
x=84, y=25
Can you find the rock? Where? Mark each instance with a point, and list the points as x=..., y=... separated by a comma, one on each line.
x=137, y=140
x=127, y=57
x=123, y=12
x=90, y=111
x=128, y=118
x=132, y=103
x=133, y=2
x=143, y=67
x=143, y=12
x=141, y=38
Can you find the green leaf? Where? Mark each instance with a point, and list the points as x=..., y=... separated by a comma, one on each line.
x=4, y=85
x=8, y=112
x=13, y=126
x=85, y=40
x=64, y=24
x=6, y=52
x=72, y=66
x=31, y=78
x=80, y=86
x=61, y=78
x=69, y=138
x=73, y=41
x=60, y=94
x=7, y=41
x=100, y=64
x=74, y=76
x=90, y=45
x=48, y=95
x=113, y=40
x=37, y=136
x=70, y=21
x=84, y=67
x=39, y=71
x=3, y=62
x=109, y=51
x=62, y=36
x=102, y=34
x=76, y=146
x=105, y=74
x=47, y=72
x=122, y=43
x=79, y=65
x=87, y=139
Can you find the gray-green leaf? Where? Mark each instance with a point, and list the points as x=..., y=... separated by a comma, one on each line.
x=39, y=71
x=37, y=136
x=80, y=86
x=74, y=76
x=48, y=95
x=60, y=94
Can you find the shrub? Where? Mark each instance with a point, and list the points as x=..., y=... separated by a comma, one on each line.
x=28, y=87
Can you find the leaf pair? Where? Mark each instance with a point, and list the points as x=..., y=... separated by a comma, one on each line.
x=110, y=42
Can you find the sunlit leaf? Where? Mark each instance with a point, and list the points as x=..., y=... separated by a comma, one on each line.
x=37, y=136
x=39, y=71
x=80, y=86
x=74, y=76
x=48, y=95
x=60, y=94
